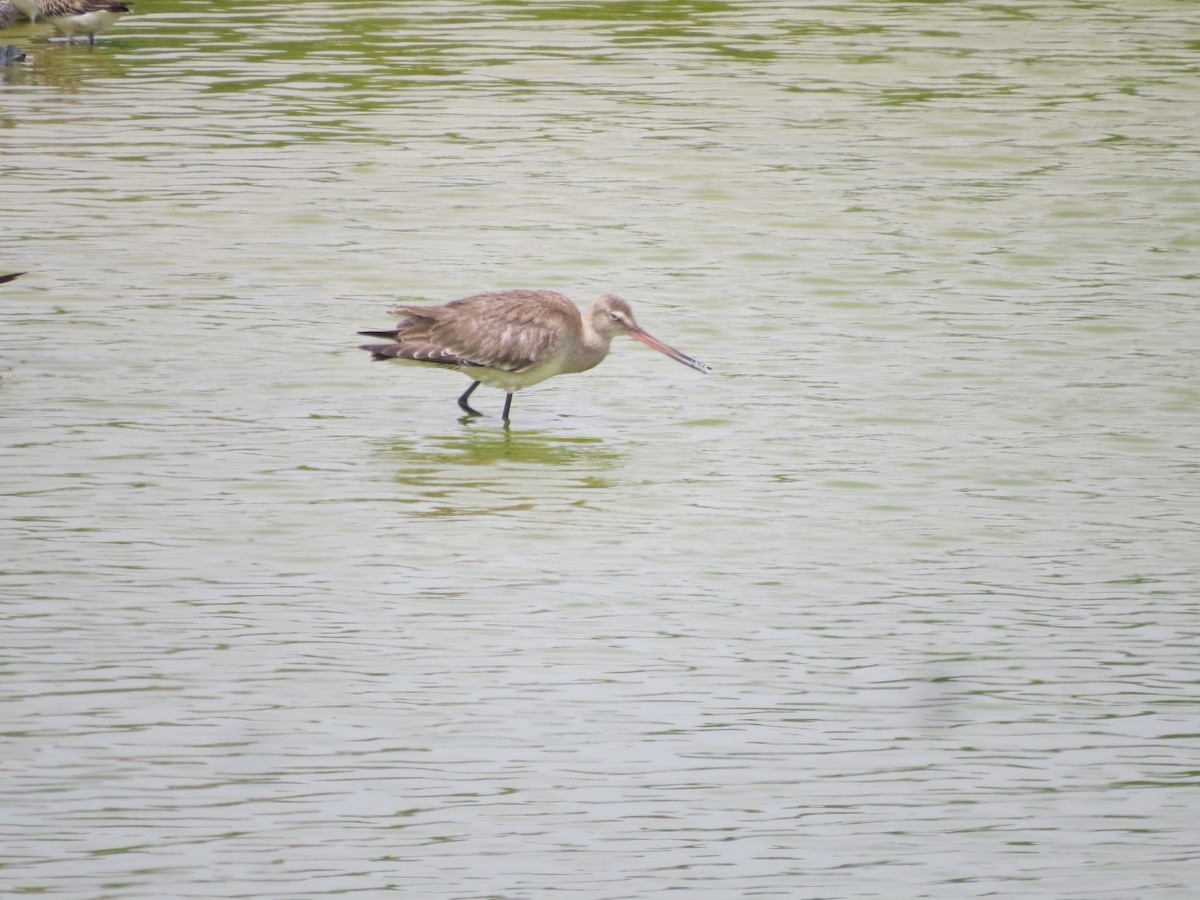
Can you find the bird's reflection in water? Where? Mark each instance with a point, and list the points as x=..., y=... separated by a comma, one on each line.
x=69, y=68
x=531, y=447
x=479, y=472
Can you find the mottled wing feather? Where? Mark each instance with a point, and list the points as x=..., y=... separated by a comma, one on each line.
x=418, y=352
x=508, y=330
x=51, y=9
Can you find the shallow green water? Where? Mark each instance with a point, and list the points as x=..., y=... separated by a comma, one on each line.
x=899, y=602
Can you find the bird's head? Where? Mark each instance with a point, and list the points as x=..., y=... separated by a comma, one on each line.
x=612, y=315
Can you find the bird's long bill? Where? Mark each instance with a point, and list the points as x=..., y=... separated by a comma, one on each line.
x=651, y=341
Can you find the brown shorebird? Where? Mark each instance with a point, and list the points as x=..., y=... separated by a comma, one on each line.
x=512, y=339
x=72, y=17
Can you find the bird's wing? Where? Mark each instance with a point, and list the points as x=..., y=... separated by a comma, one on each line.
x=508, y=330
x=53, y=8
x=418, y=352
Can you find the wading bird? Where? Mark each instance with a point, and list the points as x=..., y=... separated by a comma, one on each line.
x=72, y=17
x=512, y=339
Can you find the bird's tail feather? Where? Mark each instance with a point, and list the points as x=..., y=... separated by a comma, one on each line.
x=394, y=333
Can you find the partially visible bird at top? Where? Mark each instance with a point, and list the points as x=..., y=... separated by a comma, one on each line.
x=513, y=339
x=8, y=13
x=72, y=17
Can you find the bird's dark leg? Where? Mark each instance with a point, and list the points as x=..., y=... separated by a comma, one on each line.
x=507, y=404
x=92, y=39
x=466, y=407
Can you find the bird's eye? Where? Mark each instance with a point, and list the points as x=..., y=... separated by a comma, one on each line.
x=616, y=316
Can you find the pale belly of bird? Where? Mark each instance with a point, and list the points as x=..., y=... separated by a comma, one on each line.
x=85, y=23
x=514, y=381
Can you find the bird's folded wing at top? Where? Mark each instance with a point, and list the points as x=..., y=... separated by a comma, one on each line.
x=508, y=330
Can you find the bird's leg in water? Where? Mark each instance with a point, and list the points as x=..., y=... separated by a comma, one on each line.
x=507, y=404
x=466, y=407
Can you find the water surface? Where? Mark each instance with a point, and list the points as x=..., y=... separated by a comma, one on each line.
x=898, y=602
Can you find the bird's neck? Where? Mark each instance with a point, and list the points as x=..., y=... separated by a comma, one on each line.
x=590, y=351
